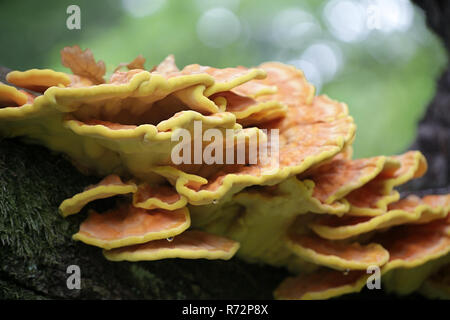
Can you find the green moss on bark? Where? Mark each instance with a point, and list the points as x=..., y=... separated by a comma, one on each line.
x=36, y=246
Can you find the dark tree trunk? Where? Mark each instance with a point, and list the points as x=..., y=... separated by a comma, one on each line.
x=433, y=135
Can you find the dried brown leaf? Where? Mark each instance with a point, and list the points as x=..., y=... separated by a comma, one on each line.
x=167, y=66
x=82, y=63
x=137, y=63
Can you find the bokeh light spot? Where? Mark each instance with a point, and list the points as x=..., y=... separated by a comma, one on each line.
x=142, y=8
x=291, y=28
x=389, y=15
x=346, y=20
x=204, y=5
x=311, y=72
x=218, y=27
x=326, y=58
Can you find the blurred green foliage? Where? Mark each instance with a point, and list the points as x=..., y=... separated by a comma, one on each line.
x=386, y=76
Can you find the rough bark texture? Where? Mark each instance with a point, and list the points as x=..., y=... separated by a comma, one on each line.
x=433, y=135
x=36, y=248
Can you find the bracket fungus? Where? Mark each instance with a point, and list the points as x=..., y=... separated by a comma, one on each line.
x=311, y=208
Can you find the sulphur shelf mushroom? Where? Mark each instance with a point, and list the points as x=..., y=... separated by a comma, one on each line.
x=315, y=210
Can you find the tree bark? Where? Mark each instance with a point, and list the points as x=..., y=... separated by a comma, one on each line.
x=433, y=134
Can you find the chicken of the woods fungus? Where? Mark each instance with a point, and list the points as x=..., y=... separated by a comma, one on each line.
x=310, y=208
